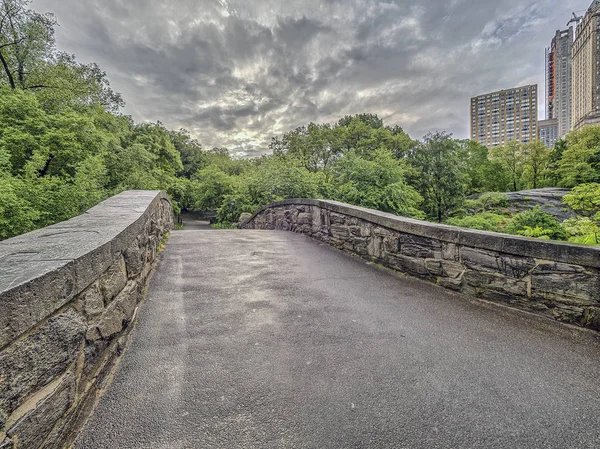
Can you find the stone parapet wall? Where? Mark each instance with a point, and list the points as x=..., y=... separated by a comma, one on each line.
x=554, y=279
x=68, y=296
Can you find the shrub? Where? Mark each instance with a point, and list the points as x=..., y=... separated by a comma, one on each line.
x=536, y=221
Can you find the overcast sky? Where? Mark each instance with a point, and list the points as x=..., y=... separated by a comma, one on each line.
x=237, y=72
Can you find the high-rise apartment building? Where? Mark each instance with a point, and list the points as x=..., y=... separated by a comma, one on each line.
x=559, y=90
x=586, y=69
x=499, y=117
x=548, y=132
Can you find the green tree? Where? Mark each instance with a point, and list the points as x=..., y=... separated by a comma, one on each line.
x=484, y=175
x=377, y=183
x=441, y=177
x=580, y=162
x=536, y=157
x=212, y=186
x=510, y=156
x=26, y=39
x=190, y=151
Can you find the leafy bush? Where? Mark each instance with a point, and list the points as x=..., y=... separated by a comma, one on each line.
x=536, y=222
x=484, y=221
x=491, y=201
x=582, y=230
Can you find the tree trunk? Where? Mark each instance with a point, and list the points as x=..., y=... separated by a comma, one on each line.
x=11, y=80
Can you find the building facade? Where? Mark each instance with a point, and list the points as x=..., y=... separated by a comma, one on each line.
x=586, y=69
x=499, y=117
x=548, y=132
x=559, y=82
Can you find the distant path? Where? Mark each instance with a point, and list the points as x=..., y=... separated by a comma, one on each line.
x=265, y=339
x=192, y=223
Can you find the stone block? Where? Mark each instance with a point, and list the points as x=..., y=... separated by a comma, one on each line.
x=434, y=267
x=380, y=231
x=114, y=280
x=391, y=244
x=339, y=232
x=422, y=247
x=111, y=322
x=493, y=262
x=409, y=265
x=135, y=258
x=494, y=286
x=36, y=360
x=119, y=312
x=566, y=283
x=337, y=219
x=304, y=218
x=33, y=428
x=360, y=246
x=375, y=247
x=450, y=251
x=452, y=269
x=92, y=301
x=450, y=283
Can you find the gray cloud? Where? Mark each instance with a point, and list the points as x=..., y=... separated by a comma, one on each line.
x=237, y=72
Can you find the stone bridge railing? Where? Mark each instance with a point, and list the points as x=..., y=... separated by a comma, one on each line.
x=554, y=279
x=68, y=295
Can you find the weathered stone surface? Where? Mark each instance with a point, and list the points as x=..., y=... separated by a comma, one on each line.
x=565, y=283
x=63, y=259
x=450, y=251
x=514, y=266
x=337, y=219
x=36, y=360
x=76, y=267
x=244, y=219
x=119, y=313
x=92, y=301
x=452, y=269
x=33, y=428
x=406, y=264
x=339, y=232
x=591, y=318
x=304, y=218
x=434, y=267
x=415, y=246
x=114, y=280
x=375, y=247
x=135, y=258
x=450, y=283
x=28, y=304
x=445, y=268
x=494, y=286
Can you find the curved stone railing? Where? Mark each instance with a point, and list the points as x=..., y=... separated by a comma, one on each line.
x=558, y=280
x=68, y=294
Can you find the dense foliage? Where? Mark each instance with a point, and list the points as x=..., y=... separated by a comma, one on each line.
x=64, y=147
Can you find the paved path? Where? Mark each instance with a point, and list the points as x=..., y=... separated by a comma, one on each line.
x=191, y=222
x=265, y=339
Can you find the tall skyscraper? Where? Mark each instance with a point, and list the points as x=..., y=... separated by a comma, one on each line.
x=586, y=69
x=499, y=117
x=559, y=85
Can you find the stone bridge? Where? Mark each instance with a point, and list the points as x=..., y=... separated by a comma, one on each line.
x=357, y=329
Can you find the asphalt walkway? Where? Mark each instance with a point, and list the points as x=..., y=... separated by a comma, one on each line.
x=266, y=339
